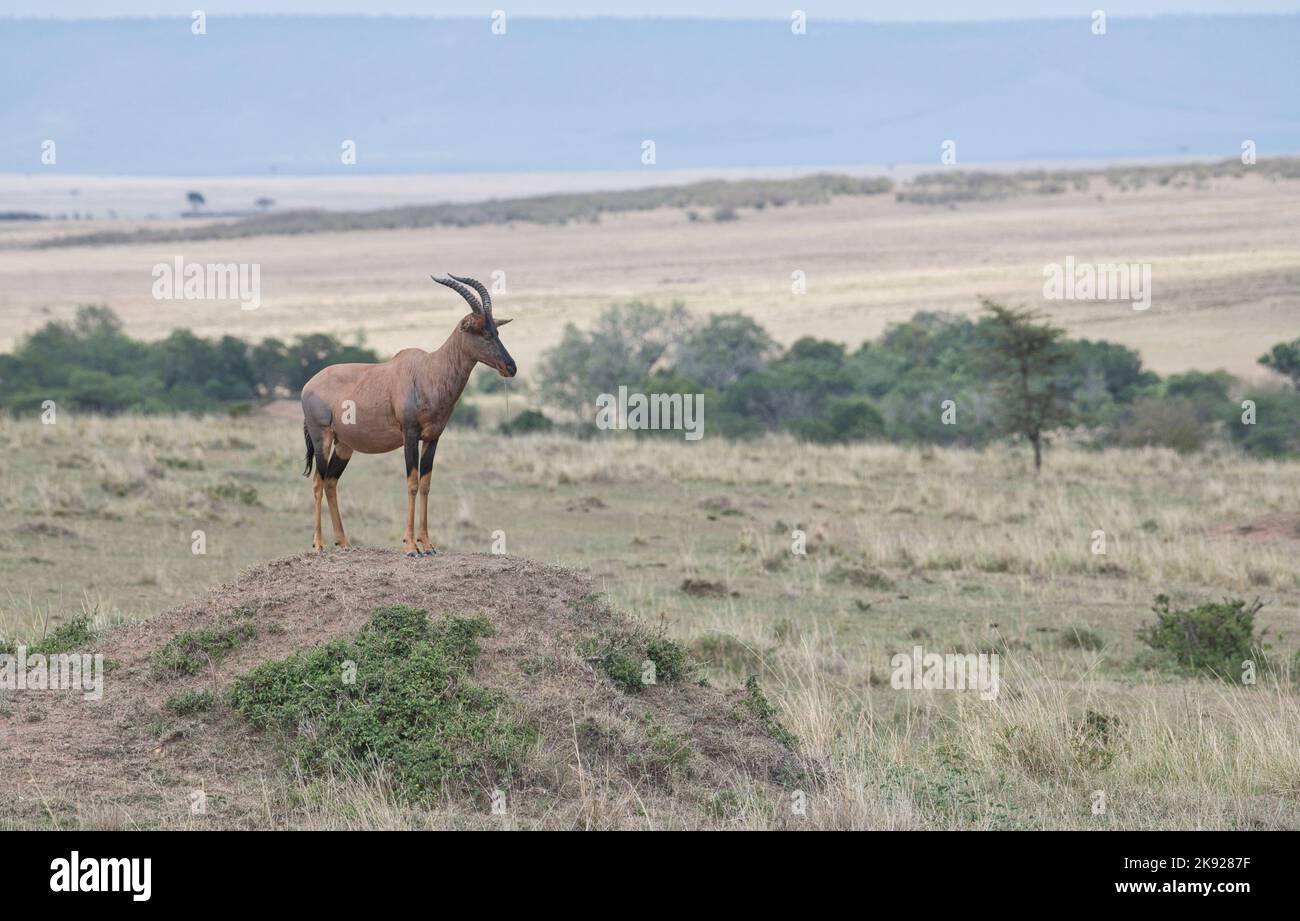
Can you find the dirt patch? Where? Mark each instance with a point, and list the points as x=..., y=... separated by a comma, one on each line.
x=719, y=506
x=604, y=755
x=44, y=529
x=703, y=588
x=1274, y=526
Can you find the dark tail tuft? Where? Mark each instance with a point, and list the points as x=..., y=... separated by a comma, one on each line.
x=311, y=451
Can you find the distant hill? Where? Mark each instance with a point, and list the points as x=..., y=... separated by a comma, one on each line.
x=253, y=95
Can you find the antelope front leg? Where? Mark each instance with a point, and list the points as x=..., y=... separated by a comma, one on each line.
x=412, y=487
x=426, y=468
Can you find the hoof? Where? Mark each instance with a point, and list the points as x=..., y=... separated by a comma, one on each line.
x=413, y=553
x=430, y=552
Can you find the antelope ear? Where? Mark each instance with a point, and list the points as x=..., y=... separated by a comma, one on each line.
x=504, y=322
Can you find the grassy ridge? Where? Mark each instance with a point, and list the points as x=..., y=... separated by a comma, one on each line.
x=723, y=197
x=563, y=208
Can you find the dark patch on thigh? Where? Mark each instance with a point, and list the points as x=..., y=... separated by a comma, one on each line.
x=426, y=457
x=316, y=411
x=337, y=465
x=316, y=416
x=412, y=450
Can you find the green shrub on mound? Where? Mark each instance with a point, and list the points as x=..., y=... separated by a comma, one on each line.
x=399, y=694
x=191, y=652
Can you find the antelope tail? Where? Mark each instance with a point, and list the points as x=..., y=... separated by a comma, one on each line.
x=311, y=451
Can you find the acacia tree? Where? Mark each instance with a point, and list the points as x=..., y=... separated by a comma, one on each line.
x=1028, y=363
x=627, y=344
x=1284, y=358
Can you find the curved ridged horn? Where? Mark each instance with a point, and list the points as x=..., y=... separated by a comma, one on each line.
x=461, y=290
x=480, y=288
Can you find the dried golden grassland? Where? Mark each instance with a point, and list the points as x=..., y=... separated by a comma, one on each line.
x=1223, y=257
x=955, y=550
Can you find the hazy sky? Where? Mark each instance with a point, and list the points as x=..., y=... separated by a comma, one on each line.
x=897, y=10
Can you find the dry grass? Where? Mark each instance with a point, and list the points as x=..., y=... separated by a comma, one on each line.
x=952, y=549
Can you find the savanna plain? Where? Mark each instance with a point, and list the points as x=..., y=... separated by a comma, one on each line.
x=952, y=549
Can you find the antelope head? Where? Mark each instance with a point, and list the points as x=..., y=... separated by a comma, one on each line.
x=478, y=331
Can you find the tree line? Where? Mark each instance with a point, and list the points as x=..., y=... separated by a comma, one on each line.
x=91, y=365
x=937, y=378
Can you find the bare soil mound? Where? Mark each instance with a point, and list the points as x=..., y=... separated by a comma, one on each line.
x=591, y=744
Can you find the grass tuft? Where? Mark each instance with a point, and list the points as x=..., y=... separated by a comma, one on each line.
x=187, y=703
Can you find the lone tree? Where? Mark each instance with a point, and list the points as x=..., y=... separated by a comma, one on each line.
x=1284, y=358
x=196, y=200
x=1027, y=363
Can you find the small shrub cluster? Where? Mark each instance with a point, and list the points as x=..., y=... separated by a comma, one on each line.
x=526, y=423
x=627, y=669
x=756, y=702
x=187, y=703
x=75, y=635
x=1078, y=636
x=1214, y=638
x=400, y=694
x=190, y=652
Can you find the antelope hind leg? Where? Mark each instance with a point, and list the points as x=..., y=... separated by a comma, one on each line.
x=318, y=491
x=339, y=461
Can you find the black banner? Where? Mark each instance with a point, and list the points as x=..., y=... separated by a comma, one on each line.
x=143, y=870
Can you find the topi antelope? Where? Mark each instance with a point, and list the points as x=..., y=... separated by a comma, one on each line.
x=402, y=403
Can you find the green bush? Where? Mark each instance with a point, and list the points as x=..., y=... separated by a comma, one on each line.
x=74, y=636
x=1166, y=423
x=1213, y=638
x=190, y=702
x=526, y=423
x=401, y=694
x=625, y=668
x=1276, y=429
x=466, y=414
x=1208, y=391
x=190, y=652
x=1081, y=637
x=756, y=702
x=669, y=660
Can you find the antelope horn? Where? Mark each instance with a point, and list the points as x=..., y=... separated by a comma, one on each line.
x=462, y=291
x=480, y=288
